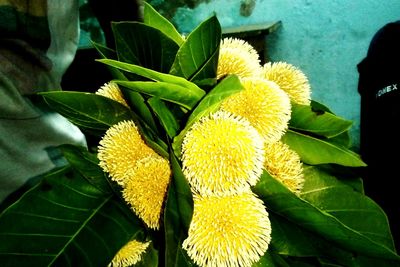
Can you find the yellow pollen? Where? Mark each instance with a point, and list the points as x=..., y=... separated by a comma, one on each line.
x=146, y=187
x=228, y=230
x=264, y=105
x=120, y=148
x=284, y=165
x=112, y=91
x=221, y=154
x=129, y=254
x=238, y=57
x=290, y=79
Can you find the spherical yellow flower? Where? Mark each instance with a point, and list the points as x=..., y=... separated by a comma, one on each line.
x=228, y=230
x=290, y=79
x=112, y=91
x=146, y=187
x=284, y=164
x=120, y=148
x=264, y=104
x=238, y=57
x=222, y=154
x=129, y=254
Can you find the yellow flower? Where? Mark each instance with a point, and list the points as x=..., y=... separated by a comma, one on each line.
x=228, y=230
x=238, y=57
x=290, y=79
x=129, y=254
x=284, y=165
x=264, y=104
x=222, y=154
x=120, y=148
x=112, y=91
x=146, y=187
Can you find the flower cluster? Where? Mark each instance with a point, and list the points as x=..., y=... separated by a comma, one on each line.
x=142, y=174
x=223, y=156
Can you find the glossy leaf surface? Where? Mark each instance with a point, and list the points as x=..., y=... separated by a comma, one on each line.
x=337, y=221
x=316, y=151
x=65, y=221
x=197, y=58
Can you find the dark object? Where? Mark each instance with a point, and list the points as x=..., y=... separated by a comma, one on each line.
x=379, y=88
x=85, y=74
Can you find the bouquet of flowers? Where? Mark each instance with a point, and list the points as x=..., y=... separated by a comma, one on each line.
x=204, y=158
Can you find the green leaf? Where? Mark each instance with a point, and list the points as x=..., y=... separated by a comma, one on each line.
x=289, y=239
x=347, y=205
x=65, y=221
x=266, y=261
x=152, y=18
x=106, y=52
x=87, y=110
x=175, y=234
x=165, y=116
x=316, y=151
x=138, y=105
x=134, y=99
x=87, y=165
x=177, y=216
x=331, y=210
x=342, y=139
x=210, y=103
x=150, y=258
x=183, y=193
x=319, y=107
x=140, y=44
x=326, y=124
x=98, y=113
x=154, y=75
x=198, y=55
x=167, y=91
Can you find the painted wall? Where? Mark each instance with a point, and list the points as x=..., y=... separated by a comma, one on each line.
x=326, y=39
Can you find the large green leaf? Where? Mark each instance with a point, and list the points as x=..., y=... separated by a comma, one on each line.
x=198, y=55
x=333, y=211
x=305, y=118
x=167, y=91
x=152, y=18
x=315, y=151
x=291, y=240
x=86, y=164
x=65, y=221
x=87, y=110
x=210, y=103
x=348, y=206
x=140, y=44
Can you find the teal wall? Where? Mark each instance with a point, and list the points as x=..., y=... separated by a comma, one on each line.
x=326, y=39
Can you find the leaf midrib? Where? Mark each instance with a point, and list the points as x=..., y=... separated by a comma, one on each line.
x=80, y=229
